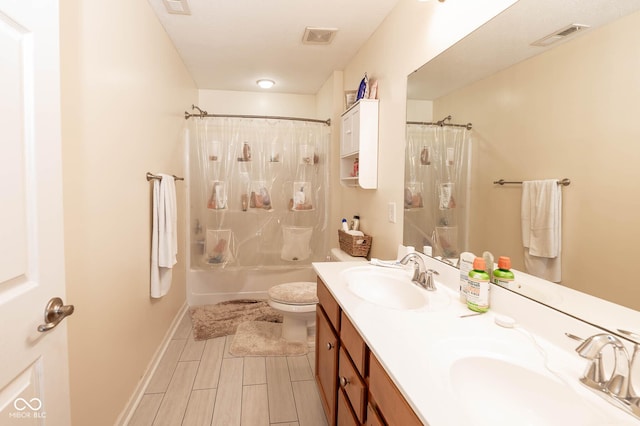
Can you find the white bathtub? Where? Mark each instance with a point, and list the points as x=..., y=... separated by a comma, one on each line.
x=206, y=286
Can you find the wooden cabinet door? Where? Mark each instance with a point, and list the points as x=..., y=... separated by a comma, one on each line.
x=373, y=419
x=326, y=364
x=346, y=142
x=386, y=396
x=346, y=417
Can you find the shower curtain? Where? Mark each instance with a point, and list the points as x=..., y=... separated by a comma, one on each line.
x=436, y=193
x=258, y=192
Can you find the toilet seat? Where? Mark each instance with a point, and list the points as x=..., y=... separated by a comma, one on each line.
x=294, y=294
x=286, y=308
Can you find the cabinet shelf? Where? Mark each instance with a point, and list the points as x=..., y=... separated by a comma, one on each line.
x=359, y=140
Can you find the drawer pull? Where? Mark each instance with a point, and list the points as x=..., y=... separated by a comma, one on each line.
x=329, y=346
x=344, y=382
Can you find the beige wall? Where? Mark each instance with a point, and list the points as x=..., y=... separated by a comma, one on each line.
x=411, y=35
x=124, y=90
x=330, y=104
x=257, y=103
x=571, y=112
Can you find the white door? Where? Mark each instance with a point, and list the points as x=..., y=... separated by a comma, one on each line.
x=34, y=382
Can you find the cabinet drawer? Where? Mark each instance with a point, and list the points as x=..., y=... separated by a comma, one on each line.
x=392, y=405
x=329, y=304
x=351, y=383
x=354, y=344
x=345, y=414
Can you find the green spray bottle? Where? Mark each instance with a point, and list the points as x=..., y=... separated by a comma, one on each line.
x=478, y=287
x=503, y=275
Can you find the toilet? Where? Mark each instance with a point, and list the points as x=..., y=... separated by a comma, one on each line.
x=296, y=301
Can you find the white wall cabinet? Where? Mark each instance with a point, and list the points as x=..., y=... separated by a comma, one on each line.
x=359, y=143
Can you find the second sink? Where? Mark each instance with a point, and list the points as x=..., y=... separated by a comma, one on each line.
x=478, y=372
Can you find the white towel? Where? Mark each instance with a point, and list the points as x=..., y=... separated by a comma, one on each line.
x=164, y=239
x=541, y=215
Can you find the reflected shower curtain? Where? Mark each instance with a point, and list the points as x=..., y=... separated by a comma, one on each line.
x=436, y=193
x=258, y=191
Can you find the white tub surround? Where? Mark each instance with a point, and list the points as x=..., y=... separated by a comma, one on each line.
x=431, y=354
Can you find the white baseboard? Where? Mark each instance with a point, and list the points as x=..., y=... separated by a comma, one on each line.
x=125, y=416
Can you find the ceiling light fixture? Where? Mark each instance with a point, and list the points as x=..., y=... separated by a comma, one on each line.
x=265, y=83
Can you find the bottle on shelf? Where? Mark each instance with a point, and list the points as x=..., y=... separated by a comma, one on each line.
x=355, y=223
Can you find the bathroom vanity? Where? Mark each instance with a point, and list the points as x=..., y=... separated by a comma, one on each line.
x=347, y=372
x=390, y=353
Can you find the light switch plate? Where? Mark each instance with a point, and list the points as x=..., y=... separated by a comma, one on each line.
x=391, y=212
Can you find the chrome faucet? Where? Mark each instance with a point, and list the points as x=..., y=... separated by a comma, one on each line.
x=422, y=276
x=634, y=366
x=618, y=386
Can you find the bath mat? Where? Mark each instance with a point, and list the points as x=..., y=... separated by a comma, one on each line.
x=259, y=338
x=223, y=318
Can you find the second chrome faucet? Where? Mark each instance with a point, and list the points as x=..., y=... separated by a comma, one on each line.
x=619, y=385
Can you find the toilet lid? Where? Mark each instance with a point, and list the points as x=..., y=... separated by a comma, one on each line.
x=298, y=293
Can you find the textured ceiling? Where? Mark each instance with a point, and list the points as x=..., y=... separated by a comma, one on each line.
x=228, y=45
x=506, y=40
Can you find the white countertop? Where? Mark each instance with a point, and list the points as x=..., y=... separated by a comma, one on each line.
x=407, y=343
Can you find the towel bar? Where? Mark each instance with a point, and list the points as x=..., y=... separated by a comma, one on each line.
x=563, y=182
x=151, y=176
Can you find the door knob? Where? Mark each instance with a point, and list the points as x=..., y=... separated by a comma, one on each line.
x=54, y=312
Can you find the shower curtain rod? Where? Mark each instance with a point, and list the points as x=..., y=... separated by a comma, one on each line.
x=203, y=114
x=441, y=123
x=563, y=182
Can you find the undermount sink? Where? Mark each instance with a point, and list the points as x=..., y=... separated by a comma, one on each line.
x=391, y=288
x=523, y=394
x=497, y=384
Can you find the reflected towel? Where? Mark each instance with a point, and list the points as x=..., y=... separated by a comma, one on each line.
x=164, y=240
x=541, y=215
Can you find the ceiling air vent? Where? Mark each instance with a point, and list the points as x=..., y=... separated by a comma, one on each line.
x=177, y=7
x=315, y=35
x=559, y=35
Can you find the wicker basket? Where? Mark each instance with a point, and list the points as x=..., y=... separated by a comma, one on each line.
x=354, y=245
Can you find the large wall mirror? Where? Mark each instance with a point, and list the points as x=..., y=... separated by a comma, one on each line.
x=568, y=108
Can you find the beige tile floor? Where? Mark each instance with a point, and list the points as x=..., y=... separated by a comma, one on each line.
x=200, y=383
